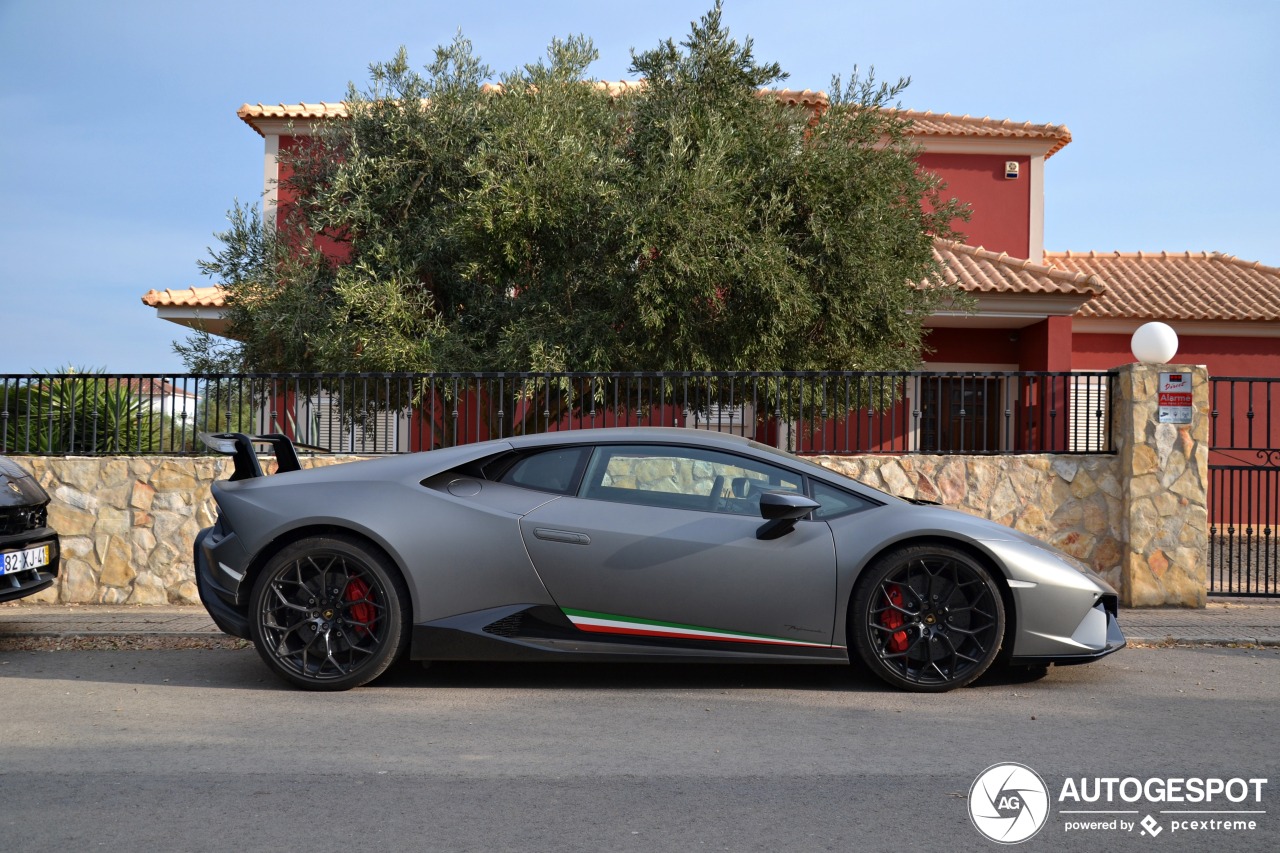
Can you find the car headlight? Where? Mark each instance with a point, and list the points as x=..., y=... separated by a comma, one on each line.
x=1074, y=562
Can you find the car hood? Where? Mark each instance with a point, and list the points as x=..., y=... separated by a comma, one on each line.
x=932, y=515
x=17, y=487
x=940, y=518
x=935, y=517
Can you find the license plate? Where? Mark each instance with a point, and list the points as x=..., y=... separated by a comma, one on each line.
x=21, y=561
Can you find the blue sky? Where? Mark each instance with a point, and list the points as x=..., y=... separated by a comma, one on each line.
x=122, y=151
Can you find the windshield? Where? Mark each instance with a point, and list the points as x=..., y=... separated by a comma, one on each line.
x=817, y=471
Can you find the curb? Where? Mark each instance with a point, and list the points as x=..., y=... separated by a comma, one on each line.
x=1175, y=640
x=1226, y=623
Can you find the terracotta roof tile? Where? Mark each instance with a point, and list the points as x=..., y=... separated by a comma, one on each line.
x=191, y=297
x=976, y=270
x=338, y=109
x=924, y=123
x=946, y=124
x=971, y=268
x=251, y=113
x=799, y=97
x=1176, y=286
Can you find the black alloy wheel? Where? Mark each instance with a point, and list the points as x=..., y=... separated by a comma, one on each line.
x=927, y=618
x=329, y=613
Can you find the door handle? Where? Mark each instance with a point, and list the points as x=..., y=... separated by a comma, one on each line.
x=566, y=536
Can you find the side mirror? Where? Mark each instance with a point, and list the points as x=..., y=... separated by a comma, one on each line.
x=781, y=511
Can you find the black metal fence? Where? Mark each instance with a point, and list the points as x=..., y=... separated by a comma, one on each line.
x=1244, y=507
x=1244, y=486
x=822, y=412
x=1244, y=416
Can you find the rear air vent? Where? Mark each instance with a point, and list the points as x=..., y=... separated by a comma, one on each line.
x=508, y=626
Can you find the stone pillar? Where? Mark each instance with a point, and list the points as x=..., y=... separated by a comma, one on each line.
x=1164, y=472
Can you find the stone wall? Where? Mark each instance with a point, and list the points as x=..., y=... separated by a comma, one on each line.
x=1139, y=516
x=128, y=524
x=1073, y=502
x=1165, y=468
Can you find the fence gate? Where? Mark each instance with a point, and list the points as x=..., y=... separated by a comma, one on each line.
x=1244, y=486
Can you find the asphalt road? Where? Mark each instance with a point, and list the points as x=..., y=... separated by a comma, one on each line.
x=204, y=750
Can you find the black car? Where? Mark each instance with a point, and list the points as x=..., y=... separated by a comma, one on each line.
x=28, y=547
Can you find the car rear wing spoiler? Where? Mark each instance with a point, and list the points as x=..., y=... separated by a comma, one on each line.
x=241, y=448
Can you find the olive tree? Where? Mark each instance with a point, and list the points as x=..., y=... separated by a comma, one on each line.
x=687, y=221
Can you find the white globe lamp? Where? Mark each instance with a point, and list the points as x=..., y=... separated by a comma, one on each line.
x=1154, y=343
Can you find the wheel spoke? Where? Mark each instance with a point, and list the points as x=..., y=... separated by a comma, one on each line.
x=891, y=606
x=329, y=654
x=305, y=652
x=930, y=590
x=962, y=608
x=907, y=627
x=282, y=644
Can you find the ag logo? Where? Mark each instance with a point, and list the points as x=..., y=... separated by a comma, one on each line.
x=1008, y=803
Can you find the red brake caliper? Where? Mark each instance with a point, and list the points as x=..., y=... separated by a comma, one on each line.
x=362, y=612
x=891, y=618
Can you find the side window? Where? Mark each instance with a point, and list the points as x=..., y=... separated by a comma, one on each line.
x=684, y=478
x=836, y=502
x=555, y=471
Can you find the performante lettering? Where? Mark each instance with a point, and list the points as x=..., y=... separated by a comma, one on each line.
x=1130, y=789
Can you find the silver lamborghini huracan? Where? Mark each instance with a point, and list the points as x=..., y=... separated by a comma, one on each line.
x=643, y=544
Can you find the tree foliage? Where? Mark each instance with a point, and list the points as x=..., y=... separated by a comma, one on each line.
x=689, y=222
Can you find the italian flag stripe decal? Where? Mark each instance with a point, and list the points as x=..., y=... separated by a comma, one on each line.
x=606, y=623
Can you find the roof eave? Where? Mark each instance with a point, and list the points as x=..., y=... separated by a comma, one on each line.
x=200, y=319
x=1189, y=328
x=1010, y=311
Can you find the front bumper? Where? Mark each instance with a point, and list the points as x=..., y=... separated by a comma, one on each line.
x=15, y=585
x=1097, y=636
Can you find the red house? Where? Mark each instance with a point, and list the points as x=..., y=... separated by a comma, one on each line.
x=1038, y=310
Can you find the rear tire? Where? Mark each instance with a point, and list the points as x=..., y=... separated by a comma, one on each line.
x=329, y=613
x=927, y=618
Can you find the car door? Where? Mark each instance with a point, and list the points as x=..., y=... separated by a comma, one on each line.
x=660, y=541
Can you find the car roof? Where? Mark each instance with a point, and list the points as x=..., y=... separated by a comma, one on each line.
x=624, y=435
x=418, y=465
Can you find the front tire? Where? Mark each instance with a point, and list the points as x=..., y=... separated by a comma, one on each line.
x=329, y=613
x=927, y=618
